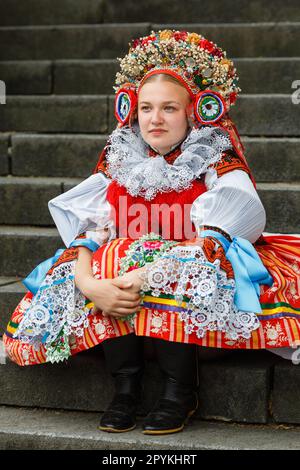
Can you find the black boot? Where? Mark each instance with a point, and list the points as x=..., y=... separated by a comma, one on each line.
x=179, y=399
x=125, y=361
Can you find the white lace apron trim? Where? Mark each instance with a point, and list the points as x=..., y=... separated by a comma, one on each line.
x=211, y=295
x=56, y=311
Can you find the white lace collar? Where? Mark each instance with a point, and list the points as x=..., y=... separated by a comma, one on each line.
x=131, y=166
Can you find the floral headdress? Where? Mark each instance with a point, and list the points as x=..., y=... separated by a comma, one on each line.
x=200, y=65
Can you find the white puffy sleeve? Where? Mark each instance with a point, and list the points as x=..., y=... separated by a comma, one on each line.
x=84, y=208
x=230, y=203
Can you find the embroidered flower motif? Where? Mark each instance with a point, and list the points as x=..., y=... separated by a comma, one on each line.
x=152, y=244
x=292, y=290
x=274, y=334
x=157, y=322
x=100, y=329
x=295, y=267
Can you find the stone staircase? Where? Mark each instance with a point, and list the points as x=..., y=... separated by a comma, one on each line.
x=58, y=60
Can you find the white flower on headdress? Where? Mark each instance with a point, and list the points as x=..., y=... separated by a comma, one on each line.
x=211, y=109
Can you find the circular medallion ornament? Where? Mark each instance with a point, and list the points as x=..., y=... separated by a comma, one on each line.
x=125, y=102
x=209, y=107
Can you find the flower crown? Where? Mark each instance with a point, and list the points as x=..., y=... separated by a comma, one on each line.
x=200, y=65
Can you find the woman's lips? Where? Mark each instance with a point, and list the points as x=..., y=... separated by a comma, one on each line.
x=157, y=131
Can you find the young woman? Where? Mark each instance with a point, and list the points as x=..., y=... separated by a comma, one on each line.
x=164, y=240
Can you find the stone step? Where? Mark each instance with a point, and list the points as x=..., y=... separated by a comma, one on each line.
x=241, y=386
x=68, y=42
x=111, y=40
x=27, y=77
x=53, y=12
x=41, y=429
x=255, y=115
x=56, y=12
x=211, y=11
x=25, y=201
x=4, y=154
x=57, y=155
x=271, y=159
x=70, y=77
x=55, y=114
x=26, y=247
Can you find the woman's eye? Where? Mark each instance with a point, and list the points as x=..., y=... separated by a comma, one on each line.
x=146, y=108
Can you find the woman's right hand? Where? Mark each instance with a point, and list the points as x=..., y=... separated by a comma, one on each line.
x=112, y=296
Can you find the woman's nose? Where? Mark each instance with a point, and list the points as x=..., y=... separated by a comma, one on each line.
x=156, y=116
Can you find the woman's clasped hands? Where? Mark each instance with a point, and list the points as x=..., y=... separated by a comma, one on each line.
x=117, y=297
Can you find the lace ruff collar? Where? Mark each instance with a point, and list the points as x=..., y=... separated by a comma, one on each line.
x=131, y=166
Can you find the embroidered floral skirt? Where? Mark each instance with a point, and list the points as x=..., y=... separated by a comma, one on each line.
x=160, y=316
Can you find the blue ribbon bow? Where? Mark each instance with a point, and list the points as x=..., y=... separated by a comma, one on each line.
x=33, y=281
x=249, y=271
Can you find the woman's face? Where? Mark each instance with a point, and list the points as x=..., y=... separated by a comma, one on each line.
x=162, y=105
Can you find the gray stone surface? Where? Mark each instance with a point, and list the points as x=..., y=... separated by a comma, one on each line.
x=55, y=155
x=24, y=201
x=25, y=248
x=55, y=114
x=34, y=429
x=273, y=159
x=4, y=165
x=111, y=40
x=98, y=11
x=26, y=78
x=267, y=115
x=285, y=397
x=189, y=11
x=85, y=77
x=68, y=42
x=283, y=199
x=30, y=12
x=236, y=388
x=267, y=75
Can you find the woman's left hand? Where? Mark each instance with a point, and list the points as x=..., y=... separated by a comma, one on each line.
x=133, y=276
